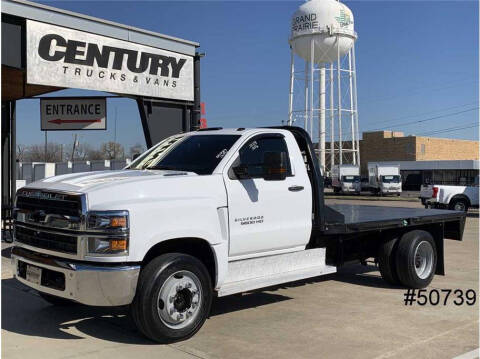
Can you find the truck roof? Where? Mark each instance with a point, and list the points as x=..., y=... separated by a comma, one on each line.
x=234, y=131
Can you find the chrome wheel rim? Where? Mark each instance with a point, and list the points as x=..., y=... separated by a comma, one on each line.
x=179, y=299
x=424, y=259
x=459, y=206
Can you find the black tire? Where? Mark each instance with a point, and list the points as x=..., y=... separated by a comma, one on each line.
x=407, y=263
x=387, y=261
x=147, y=304
x=54, y=300
x=458, y=204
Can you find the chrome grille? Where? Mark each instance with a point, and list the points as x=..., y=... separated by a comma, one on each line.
x=49, y=220
x=46, y=240
x=49, y=202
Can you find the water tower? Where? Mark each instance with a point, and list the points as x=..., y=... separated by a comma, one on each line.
x=322, y=35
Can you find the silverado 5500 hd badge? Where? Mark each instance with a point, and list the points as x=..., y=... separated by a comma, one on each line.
x=249, y=220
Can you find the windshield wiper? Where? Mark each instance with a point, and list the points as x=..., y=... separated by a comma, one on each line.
x=167, y=168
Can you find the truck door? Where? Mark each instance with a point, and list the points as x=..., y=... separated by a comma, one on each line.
x=268, y=215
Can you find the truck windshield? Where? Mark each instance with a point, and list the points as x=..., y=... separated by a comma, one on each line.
x=198, y=153
x=351, y=178
x=391, y=179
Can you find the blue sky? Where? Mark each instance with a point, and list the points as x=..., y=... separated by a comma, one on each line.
x=416, y=61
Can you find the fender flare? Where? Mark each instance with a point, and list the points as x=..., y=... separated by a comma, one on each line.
x=460, y=196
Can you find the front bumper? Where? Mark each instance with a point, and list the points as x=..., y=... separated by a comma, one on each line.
x=433, y=203
x=391, y=190
x=350, y=190
x=90, y=284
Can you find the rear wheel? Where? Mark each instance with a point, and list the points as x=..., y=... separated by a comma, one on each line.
x=416, y=259
x=173, y=298
x=458, y=204
x=386, y=261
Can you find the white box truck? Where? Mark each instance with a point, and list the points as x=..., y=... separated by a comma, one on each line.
x=346, y=179
x=384, y=178
x=209, y=213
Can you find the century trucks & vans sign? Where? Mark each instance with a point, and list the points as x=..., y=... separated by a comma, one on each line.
x=62, y=57
x=81, y=113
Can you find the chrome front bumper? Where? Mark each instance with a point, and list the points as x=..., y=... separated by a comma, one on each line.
x=99, y=285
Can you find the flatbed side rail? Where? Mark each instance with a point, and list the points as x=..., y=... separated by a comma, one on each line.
x=454, y=223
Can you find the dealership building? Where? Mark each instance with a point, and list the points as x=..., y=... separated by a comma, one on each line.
x=422, y=159
x=45, y=49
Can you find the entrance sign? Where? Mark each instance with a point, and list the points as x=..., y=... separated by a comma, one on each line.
x=62, y=57
x=73, y=114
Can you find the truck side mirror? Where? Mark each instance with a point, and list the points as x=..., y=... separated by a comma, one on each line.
x=274, y=166
x=241, y=172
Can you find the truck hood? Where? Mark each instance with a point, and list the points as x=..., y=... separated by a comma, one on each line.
x=88, y=181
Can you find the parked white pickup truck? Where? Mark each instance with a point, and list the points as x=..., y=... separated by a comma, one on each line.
x=458, y=198
x=209, y=213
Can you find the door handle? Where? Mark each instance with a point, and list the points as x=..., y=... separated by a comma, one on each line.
x=295, y=188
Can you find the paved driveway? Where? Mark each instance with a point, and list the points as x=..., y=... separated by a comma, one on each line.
x=351, y=314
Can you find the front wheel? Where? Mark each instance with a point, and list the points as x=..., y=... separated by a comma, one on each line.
x=173, y=298
x=416, y=259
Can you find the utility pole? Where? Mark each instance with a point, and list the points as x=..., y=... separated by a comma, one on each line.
x=115, y=136
x=74, y=145
x=46, y=142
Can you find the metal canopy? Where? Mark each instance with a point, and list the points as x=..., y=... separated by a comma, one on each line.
x=52, y=15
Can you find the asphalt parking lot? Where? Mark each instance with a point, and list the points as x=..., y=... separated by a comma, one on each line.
x=351, y=314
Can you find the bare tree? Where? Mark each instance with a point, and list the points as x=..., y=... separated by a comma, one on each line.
x=95, y=154
x=82, y=151
x=136, y=149
x=21, y=152
x=113, y=151
x=36, y=153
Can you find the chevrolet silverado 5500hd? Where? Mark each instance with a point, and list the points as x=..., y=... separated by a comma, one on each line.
x=209, y=213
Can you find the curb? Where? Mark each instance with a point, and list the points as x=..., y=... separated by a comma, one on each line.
x=372, y=198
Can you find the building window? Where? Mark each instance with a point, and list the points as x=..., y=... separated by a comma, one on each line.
x=422, y=149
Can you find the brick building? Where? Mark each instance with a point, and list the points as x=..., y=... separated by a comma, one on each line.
x=394, y=146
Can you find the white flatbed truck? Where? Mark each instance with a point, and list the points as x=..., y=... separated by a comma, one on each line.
x=209, y=213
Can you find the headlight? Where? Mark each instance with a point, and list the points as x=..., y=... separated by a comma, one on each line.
x=111, y=221
x=113, y=232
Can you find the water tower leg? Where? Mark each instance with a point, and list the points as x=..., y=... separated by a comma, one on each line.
x=332, y=121
x=312, y=64
x=355, y=104
x=321, y=127
x=290, y=97
x=352, y=115
x=339, y=94
x=305, y=125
